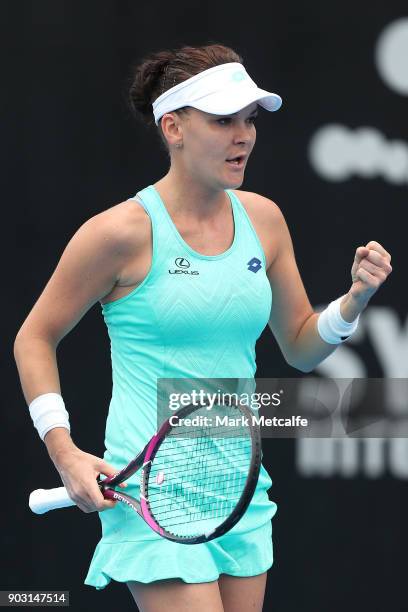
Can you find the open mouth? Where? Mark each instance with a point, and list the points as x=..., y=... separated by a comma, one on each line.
x=236, y=161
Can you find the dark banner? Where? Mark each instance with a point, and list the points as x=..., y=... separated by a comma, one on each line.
x=334, y=159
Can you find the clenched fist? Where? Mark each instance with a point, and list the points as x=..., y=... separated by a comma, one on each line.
x=370, y=269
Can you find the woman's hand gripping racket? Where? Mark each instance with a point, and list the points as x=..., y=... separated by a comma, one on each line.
x=198, y=475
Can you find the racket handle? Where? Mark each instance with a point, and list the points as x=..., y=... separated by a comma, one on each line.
x=42, y=500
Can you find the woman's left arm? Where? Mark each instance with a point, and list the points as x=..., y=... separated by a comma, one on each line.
x=293, y=321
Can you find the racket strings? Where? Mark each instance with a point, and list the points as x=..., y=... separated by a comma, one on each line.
x=198, y=476
x=191, y=504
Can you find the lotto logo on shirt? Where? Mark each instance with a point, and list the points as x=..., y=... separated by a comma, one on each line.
x=254, y=265
x=182, y=267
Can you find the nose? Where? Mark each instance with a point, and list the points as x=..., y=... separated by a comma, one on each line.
x=243, y=133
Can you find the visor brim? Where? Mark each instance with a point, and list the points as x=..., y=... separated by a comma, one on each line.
x=221, y=103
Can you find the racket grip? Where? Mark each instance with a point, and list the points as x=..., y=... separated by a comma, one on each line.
x=42, y=500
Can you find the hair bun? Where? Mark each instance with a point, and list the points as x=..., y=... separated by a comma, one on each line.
x=160, y=71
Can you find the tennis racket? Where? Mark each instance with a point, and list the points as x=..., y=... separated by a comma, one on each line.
x=198, y=476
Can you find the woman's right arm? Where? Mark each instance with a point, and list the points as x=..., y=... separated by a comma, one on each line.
x=89, y=268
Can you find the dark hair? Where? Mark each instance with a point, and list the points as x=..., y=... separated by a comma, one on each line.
x=160, y=71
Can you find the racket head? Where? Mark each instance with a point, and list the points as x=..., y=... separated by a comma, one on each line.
x=198, y=482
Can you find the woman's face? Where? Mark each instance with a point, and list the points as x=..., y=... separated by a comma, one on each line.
x=210, y=140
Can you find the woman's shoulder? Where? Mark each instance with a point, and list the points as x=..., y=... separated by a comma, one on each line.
x=128, y=211
x=267, y=220
x=259, y=208
x=125, y=224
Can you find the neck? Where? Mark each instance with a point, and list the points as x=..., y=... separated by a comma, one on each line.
x=184, y=194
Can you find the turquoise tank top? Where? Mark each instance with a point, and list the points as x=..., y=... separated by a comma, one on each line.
x=193, y=316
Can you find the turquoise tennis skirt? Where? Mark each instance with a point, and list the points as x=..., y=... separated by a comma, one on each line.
x=130, y=550
x=246, y=554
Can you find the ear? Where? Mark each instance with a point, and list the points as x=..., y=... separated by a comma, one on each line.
x=172, y=128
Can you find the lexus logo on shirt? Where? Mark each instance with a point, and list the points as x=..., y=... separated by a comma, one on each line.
x=182, y=267
x=182, y=263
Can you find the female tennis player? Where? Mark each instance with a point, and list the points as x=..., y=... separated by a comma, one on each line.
x=185, y=272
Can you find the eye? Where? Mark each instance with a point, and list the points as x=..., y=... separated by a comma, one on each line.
x=227, y=120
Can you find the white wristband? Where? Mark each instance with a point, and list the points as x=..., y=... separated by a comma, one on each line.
x=331, y=326
x=48, y=411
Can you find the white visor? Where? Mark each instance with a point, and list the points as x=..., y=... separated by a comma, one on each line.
x=221, y=90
